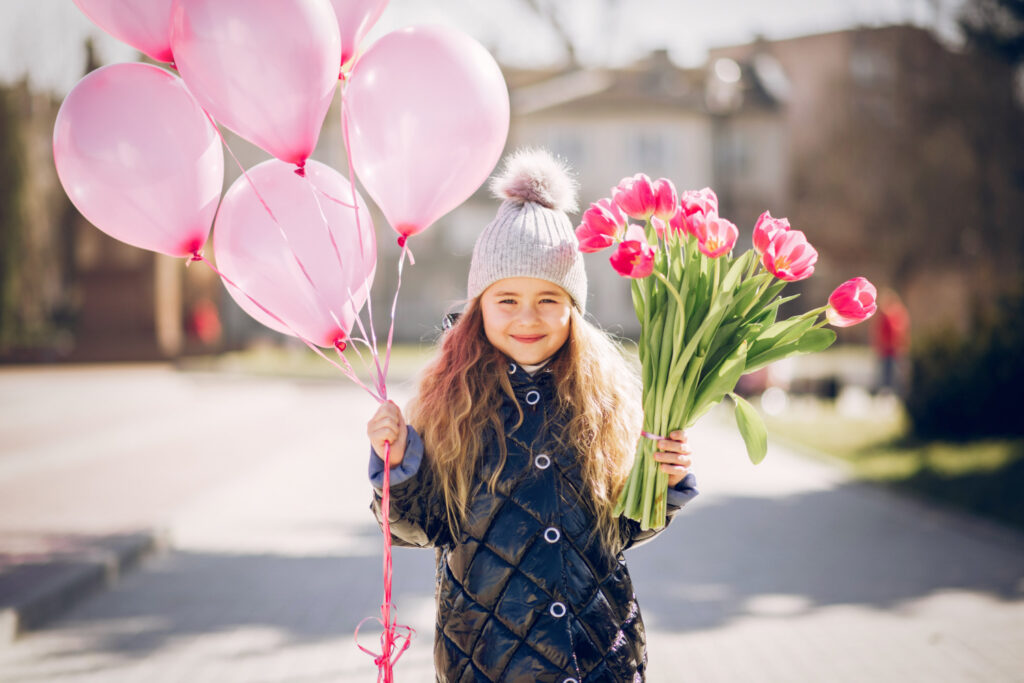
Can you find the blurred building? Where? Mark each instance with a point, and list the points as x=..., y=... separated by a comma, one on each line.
x=896, y=155
x=652, y=117
x=903, y=165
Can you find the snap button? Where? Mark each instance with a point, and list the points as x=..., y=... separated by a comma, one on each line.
x=532, y=397
x=551, y=534
x=542, y=461
x=511, y=368
x=557, y=610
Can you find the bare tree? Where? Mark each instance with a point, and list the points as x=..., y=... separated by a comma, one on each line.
x=996, y=27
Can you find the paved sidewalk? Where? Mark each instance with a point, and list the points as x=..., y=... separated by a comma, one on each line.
x=781, y=572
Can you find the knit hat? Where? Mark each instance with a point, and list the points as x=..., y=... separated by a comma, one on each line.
x=531, y=236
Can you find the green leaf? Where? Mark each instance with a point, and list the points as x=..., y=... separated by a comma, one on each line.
x=732, y=278
x=811, y=342
x=815, y=340
x=755, y=436
x=779, y=334
x=721, y=380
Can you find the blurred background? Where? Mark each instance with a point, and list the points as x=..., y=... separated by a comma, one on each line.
x=890, y=131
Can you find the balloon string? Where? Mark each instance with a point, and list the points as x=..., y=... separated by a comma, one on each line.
x=280, y=229
x=335, y=199
x=341, y=267
x=381, y=375
x=388, y=656
x=347, y=370
x=394, y=302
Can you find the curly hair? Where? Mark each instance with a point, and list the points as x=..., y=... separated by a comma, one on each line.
x=598, y=401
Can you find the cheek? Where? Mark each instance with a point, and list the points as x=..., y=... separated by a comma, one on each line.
x=560, y=322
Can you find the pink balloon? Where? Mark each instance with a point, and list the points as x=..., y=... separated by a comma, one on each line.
x=139, y=158
x=266, y=69
x=254, y=254
x=428, y=114
x=143, y=24
x=355, y=19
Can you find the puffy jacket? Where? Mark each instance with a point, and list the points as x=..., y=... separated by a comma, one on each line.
x=525, y=592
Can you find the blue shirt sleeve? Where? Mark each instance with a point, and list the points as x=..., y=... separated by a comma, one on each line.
x=406, y=470
x=680, y=495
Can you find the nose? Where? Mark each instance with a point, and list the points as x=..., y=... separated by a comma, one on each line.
x=529, y=314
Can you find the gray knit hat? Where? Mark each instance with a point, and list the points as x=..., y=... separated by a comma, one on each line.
x=531, y=236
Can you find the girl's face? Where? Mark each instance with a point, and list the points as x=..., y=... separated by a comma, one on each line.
x=527, y=319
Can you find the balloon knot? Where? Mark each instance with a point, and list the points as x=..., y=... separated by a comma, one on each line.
x=301, y=170
x=340, y=345
x=196, y=255
x=173, y=65
x=401, y=241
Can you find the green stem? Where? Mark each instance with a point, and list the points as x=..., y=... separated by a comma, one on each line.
x=671, y=289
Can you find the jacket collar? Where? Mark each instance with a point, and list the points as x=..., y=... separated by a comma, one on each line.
x=522, y=382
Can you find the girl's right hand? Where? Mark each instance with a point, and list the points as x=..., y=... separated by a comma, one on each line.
x=388, y=424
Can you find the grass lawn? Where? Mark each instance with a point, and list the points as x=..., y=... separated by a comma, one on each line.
x=985, y=477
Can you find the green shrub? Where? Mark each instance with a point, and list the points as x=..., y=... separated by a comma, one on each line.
x=967, y=386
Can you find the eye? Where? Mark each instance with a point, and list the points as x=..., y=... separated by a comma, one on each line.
x=549, y=301
x=507, y=301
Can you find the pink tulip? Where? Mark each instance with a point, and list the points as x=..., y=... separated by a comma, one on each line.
x=660, y=226
x=666, y=201
x=790, y=256
x=602, y=224
x=852, y=302
x=677, y=224
x=696, y=206
x=767, y=228
x=636, y=196
x=717, y=237
x=634, y=257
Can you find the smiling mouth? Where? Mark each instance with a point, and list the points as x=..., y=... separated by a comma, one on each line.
x=528, y=340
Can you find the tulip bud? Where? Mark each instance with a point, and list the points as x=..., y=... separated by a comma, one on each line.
x=635, y=196
x=666, y=201
x=697, y=206
x=790, y=256
x=717, y=237
x=602, y=224
x=852, y=302
x=634, y=257
x=767, y=228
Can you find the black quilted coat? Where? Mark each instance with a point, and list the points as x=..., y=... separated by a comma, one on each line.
x=526, y=593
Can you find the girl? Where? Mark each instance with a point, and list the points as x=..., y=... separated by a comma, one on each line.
x=517, y=446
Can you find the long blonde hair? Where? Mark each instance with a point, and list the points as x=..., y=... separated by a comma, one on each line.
x=598, y=397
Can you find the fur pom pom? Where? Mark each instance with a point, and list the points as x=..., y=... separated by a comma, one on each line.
x=534, y=175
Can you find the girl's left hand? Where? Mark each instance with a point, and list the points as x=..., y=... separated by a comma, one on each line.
x=674, y=456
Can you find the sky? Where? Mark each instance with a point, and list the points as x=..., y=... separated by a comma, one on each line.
x=42, y=39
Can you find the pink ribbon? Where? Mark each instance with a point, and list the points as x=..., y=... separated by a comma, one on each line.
x=395, y=638
x=390, y=652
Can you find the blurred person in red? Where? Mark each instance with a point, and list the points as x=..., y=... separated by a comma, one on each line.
x=204, y=322
x=891, y=340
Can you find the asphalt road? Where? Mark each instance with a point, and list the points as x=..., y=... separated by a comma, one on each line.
x=782, y=572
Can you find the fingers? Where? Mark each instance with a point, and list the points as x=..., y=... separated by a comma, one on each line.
x=674, y=455
x=676, y=443
x=673, y=462
x=387, y=424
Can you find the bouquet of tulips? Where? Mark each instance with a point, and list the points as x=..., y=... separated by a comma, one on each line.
x=707, y=317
